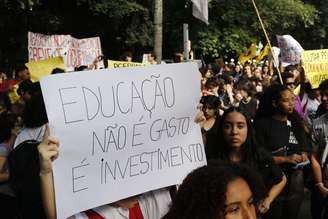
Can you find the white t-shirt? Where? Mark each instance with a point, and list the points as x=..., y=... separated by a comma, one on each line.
x=153, y=205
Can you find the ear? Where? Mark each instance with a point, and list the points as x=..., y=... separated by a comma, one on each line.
x=274, y=103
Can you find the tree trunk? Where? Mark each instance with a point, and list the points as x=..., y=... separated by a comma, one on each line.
x=158, y=29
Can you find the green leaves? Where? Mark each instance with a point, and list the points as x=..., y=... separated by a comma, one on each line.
x=234, y=24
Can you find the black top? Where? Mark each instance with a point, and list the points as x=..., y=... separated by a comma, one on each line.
x=249, y=108
x=211, y=139
x=278, y=138
x=262, y=162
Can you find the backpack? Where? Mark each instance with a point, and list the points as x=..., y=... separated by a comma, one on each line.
x=24, y=170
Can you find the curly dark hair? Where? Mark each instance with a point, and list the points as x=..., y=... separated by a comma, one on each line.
x=203, y=192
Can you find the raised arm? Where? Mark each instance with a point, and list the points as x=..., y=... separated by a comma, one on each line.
x=48, y=152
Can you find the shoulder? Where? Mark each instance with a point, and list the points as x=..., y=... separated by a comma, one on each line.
x=323, y=119
x=262, y=122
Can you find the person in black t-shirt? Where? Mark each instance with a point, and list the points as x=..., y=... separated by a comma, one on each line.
x=237, y=144
x=249, y=103
x=209, y=126
x=281, y=131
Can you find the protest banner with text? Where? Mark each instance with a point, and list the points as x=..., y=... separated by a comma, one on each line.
x=42, y=68
x=315, y=64
x=290, y=50
x=76, y=52
x=122, y=64
x=123, y=133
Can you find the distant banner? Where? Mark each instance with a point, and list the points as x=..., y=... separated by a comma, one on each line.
x=249, y=54
x=316, y=65
x=265, y=52
x=290, y=50
x=42, y=68
x=119, y=64
x=76, y=52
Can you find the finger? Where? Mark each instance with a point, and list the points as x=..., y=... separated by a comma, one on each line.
x=53, y=140
x=52, y=147
x=46, y=134
x=53, y=155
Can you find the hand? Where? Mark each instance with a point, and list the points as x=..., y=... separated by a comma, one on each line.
x=264, y=206
x=98, y=59
x=200, y=115
x=48, y=152
x=323, y=190
x=305, y=157
x=229, y=89
x=294, y=159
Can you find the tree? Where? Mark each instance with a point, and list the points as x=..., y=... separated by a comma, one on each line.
x=158, y=29
x=234, y=24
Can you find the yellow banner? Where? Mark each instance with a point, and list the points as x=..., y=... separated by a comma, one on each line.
x=249, y=54
x=263, y=53
x=315, y=64
x=119, y=64
x=42, y=68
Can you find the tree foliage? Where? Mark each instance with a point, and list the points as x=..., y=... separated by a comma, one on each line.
x=128, y=25
x=234, y=24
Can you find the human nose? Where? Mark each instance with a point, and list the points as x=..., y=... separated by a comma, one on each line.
x=248, y=213
x=234, y=130
x=324, y=97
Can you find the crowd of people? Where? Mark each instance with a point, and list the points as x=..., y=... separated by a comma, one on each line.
x=265, y=136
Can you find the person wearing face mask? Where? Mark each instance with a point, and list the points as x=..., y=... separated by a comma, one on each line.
x=281, y=131
x=218, y=191
x=237, y=144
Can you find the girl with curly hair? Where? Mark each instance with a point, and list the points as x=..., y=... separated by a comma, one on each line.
x=218, y=191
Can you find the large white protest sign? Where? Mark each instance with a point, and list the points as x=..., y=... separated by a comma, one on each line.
x=290, y=50
x=122, y=132
x=76, y=52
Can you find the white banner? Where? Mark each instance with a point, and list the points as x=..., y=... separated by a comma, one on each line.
x=122, y=132
x=200, y=10
x=76, y=52
x=290, y=50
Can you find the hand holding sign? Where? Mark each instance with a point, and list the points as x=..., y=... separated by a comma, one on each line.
x=48, y=152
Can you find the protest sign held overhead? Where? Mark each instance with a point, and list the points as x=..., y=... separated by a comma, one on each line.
x=315, y=64
x=123, y=133
x=123, y=64
x=290, y=50
x=42, y=68
x=76, y=52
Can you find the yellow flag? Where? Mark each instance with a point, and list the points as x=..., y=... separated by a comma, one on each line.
x=263, y=53
x=120, y=64
x=42, y=68
x=249, y=54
